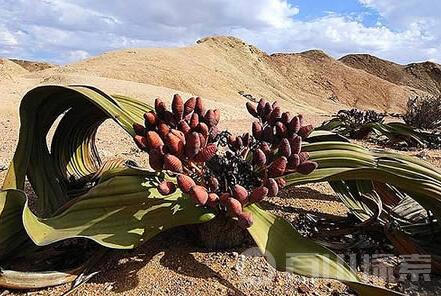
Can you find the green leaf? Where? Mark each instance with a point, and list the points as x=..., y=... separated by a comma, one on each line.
x=12, y=232
x=286, y=250
x=121, y=212
x=291, y=252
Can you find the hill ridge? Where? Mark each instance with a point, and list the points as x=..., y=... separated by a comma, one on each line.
x=425, y=76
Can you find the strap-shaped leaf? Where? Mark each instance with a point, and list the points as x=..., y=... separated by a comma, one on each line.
x=286, y=250
x=121, y=212
x=11, y=228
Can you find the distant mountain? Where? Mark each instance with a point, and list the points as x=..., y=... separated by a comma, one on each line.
x=221, y=67
x=425, y=76
x=228, y=70
x=32, y=66
x=9, y=70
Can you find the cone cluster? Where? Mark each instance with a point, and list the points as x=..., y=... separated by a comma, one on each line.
x=248, y=168
x=183, y=134
x=275, y=143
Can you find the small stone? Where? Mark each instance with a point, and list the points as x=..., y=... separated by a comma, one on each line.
x=303, y=288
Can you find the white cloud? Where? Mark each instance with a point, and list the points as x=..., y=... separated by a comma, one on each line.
x=68, y=30
x=340, y=35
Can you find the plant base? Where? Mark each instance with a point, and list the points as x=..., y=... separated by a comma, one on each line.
x=221, y=233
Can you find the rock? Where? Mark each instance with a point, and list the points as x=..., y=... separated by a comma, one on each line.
x=303, y=288
x=422, y=154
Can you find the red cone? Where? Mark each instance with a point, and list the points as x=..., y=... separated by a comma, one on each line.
x=185, y=183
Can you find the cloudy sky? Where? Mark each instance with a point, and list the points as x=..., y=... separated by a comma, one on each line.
x=64, y=31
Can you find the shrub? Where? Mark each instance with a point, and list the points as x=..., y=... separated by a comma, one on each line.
x=424, y=112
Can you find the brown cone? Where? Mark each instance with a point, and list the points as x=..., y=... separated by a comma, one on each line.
x=166, y=187
x=141, y=142
x=202, y=128
x=303, y=156
x=213, y=183
x=277, y=167
x=223, y=198
x=301, y=119
x=199, y=108
x=285, y=148
x=213, y=200
x=296, y=144
x=174, y=144
x=193, y=145
x=305, y=131
x=286, y=118
x=199, y=194
x=178, y=134
x=194, y=121
x=203, y=140
x=259, y=158
x=275, y=115
x=240, y=193
x=267, y=111
x=261, y=107
x=280, y=129
x=246, y=139
x=273, y=187
x=168, y=117
x=294, y=125
x=234, y=207
x=178, y=107
x=184, y=127
x=307, y=167
x=156, y=159
x=159, y=106
x=139, y=129
x=150, y=119
x=172, y=163
x=238, y=143
x=258, y=194
x=214, y=132
x=210, y=118
x=185, y=183
x=163, y=130
x=206, y=153
x=266, y=149
x=268, y=134
x=293, y=161
x=217, y=115
x=252, y=110
x=189, y=106
x=154, y=141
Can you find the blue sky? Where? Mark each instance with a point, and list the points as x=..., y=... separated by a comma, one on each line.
x=311, y=9
x=64, y=31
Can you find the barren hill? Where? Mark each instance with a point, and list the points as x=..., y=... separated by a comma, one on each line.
x=10, y=70
x=220, y=67
x=32, y=66
x=330, y=79
x=425, y=76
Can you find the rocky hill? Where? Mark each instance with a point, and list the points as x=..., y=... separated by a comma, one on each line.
x=424, y=76
x=228, y=71
x=220, y=67
x=10, y=70
x=33, y=66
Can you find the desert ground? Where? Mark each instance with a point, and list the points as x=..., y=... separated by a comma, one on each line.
x=217, y=69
